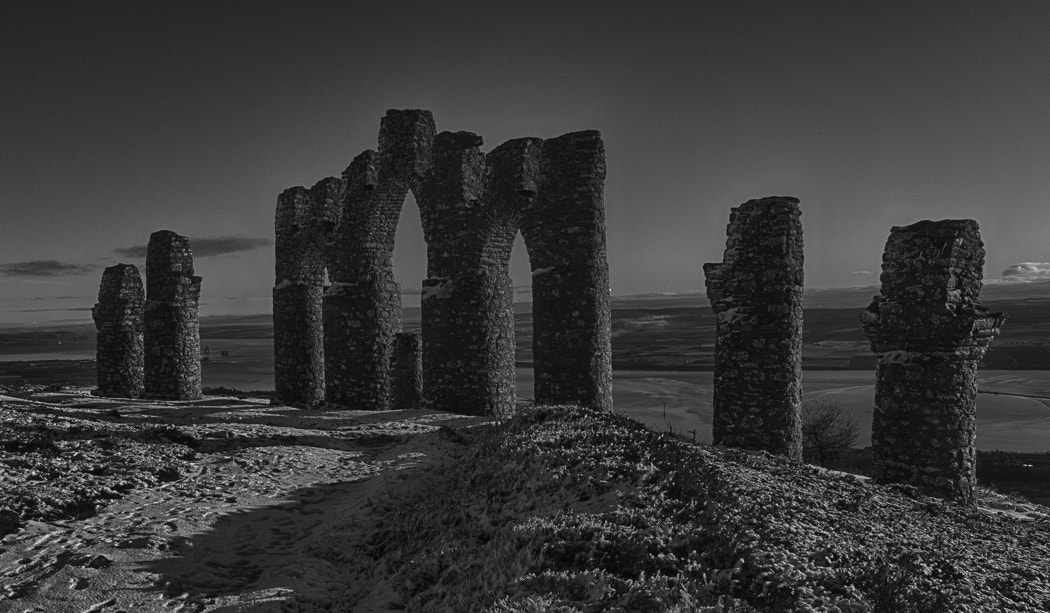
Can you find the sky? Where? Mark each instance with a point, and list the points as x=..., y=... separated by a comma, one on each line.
x=122, y=118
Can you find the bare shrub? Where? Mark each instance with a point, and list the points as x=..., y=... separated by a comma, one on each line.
x=827, y=432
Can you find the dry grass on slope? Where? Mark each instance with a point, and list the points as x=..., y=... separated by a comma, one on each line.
x=571, y=510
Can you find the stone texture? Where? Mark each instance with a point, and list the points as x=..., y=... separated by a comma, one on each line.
x=362, y=308
x=467, y=299
x=118, y=321
x=929, y=332
x=172, y=329
x=564, y=233
x=407, y=372
x=756, y=293
x=472, y=206
x=305, y=220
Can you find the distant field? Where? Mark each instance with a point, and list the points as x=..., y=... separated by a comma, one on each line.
x=649, y=333
x=662, y=356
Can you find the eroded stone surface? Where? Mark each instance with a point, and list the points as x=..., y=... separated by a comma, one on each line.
x=118, y=321
x=362, y=308
x=304, y=222
x=472, y=206
x=929, y=332
x=564, y=233
x=172, y=328
x=467, y=299
x=756, y=293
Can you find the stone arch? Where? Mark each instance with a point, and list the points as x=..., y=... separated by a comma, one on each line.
x=362, y=308
x=551, y=191
x=472, y=206
x=471, y=213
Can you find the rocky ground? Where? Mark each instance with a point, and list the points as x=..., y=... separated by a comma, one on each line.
x=111, y=505
x=232, y=504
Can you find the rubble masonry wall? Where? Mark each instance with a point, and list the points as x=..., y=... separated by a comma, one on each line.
x=171, y=334
x=756, y=293
x=929, y=332
x=118, y=322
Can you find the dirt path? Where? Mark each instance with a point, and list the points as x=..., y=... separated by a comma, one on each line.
x=244, y=527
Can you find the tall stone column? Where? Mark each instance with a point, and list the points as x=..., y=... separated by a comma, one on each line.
x=172, y=329
x=407, y=386
x=756, y=293
x=304, y=221
x=362, y=309
x=467, y=300
x=564, y=232
x=929, y=332
x=118, y=321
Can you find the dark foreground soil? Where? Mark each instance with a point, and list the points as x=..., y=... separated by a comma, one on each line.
x=573, y=510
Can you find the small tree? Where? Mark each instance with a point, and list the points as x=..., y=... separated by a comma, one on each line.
x=827, y=432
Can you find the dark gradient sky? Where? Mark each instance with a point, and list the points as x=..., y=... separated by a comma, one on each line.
x=121, y=118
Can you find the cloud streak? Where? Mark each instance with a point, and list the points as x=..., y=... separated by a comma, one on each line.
x=206, y=247
x=44, y=268
x=1027, y=271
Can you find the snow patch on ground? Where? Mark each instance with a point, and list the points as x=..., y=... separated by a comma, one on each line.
x=243, y=525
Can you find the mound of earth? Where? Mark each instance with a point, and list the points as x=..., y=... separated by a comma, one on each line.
x=233, y=504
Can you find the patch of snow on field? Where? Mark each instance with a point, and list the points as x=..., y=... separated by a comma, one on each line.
x=238, y=522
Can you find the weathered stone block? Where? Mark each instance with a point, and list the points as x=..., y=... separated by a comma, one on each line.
x=564, y=232
x=929, y=332
x=118, y=321
x=472, y=207
x=171, y=326
x=756, y=293
x=304, y=222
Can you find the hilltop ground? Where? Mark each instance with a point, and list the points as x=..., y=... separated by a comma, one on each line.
x=233, y=504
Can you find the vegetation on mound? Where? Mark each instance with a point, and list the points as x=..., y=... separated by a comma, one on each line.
x=571, y=510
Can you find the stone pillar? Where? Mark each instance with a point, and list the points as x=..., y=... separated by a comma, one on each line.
x=118, y=320
x=564, y=232
x=362, y=309
x=407, y=387
x=756, y=293
x=172, y=329
x=467, y=301
x=304, y=221
x=929, y=332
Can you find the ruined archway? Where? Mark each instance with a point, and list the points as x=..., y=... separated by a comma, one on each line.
x=472, y=206
x=362, y=308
